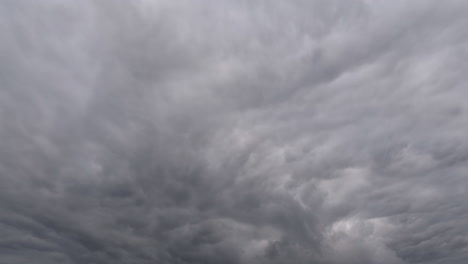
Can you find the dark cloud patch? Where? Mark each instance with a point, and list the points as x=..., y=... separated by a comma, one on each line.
x=258, y=131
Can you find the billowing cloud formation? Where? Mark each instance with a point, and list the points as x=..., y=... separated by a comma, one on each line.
x=318, y=131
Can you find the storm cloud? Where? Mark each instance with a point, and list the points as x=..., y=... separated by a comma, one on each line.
x=203, y=131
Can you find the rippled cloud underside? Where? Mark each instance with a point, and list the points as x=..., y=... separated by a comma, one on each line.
x=233, y=132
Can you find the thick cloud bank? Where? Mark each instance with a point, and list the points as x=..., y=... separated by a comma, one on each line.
x=233, y=131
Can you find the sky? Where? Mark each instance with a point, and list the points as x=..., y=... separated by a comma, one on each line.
x=233, y=131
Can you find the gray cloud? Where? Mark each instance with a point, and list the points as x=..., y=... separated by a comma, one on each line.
x=328, y=132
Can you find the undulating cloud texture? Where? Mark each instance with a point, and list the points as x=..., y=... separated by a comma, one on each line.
x=233, y=131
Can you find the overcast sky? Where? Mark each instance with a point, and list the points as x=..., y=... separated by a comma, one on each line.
x=233, y=131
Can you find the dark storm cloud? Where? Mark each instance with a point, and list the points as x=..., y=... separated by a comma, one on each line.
x=224, y=131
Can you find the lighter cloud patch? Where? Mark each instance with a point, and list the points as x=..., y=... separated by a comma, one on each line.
x=355, y=240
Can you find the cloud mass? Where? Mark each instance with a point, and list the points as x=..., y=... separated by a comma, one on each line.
x=236, y=132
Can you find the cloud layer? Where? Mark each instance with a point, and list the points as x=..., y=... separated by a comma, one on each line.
x=182, y=132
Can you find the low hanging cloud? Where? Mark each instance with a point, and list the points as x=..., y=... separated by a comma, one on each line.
x=183, y=132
